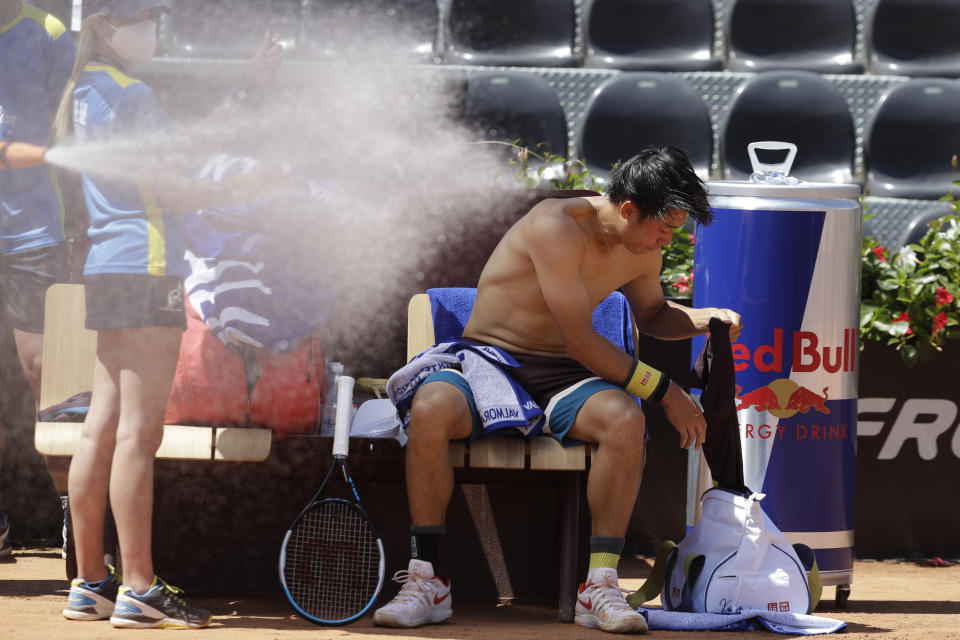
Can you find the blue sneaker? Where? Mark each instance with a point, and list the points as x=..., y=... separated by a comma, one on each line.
x=6, y=547
x=92, y=601
x=161, y=606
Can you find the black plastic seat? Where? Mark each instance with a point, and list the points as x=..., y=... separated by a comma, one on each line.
x=919, y=224
x=915, y=38
x=911, y=138
x=651, y=35
x=229, y=29
x=637, y=110
x=514, y=106
x=811, y=35
x=790, y=106
x=401, y=30
x=536, y=33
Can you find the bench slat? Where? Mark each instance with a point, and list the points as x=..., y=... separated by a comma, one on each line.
x=242, y=445
x=497, y=453
x=548, y=454
x=179, y=442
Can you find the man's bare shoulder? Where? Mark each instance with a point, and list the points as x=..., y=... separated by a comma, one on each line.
x=556, y=219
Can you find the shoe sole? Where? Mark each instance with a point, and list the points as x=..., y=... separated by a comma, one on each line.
x=70, y=614
x=593, y=622
x=387, y=621
x=165, y=623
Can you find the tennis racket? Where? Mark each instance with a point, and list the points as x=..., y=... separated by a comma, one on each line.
x=332, y=561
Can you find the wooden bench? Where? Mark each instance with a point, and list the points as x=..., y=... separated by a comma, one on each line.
x=69, y=353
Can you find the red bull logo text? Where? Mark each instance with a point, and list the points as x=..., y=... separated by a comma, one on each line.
x=808, y=354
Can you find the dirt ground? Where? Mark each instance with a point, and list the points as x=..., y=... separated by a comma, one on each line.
x=889, y=600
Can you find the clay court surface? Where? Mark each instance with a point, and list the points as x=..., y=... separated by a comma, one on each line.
x=888, y=600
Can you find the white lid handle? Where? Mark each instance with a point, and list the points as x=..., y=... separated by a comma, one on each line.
x=769, y=145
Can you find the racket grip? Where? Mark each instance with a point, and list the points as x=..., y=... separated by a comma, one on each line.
x=341, y=432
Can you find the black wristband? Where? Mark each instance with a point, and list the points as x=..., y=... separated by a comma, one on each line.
x=3, y=155
x=661, y=389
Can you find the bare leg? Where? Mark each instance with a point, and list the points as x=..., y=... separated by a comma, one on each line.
x=30, y=348
x=149, y=361
x=616, y=423
x=439, y=414
x=90, y=467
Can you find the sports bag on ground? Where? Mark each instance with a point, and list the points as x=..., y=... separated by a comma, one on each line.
x=735, y=559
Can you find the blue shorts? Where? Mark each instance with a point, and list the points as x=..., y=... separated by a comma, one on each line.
x=559, y=386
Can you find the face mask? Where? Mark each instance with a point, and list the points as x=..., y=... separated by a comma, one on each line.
x=135, y=42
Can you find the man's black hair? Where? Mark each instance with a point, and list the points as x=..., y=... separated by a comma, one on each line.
x=658, y=180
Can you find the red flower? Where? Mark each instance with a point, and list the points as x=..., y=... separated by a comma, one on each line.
x=942, y=297
x=879, y=251
x=682, y=284
x=691, y=238
x=904, y=317
x=939, y=322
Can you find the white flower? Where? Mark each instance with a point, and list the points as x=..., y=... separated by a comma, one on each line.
x=906, y=255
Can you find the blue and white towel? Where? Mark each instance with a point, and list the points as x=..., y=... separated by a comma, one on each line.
x=244, y=277
x=777, y=621
x=501, y=402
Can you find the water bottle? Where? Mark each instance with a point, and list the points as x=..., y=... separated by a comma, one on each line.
x=334, y=371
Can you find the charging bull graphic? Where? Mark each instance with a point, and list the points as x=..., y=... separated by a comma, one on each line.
x=782, y=398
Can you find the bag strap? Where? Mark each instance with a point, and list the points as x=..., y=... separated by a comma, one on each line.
x=809, y=561
x=692, y=568
x=654, y=583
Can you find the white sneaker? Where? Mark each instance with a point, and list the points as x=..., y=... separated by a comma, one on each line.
x=601, y=605
x=423, y=599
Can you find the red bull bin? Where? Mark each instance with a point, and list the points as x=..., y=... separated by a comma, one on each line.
x=785, y=254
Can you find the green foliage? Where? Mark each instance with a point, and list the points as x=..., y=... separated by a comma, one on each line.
x=676, y=277
x=540, y=168
x=910, y=298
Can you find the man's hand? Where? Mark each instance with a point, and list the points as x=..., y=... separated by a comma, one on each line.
x=731, y=318
x=685, y=416
x=266, y=61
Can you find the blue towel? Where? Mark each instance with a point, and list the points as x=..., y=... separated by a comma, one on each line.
x=776, y=621
x=451, y=308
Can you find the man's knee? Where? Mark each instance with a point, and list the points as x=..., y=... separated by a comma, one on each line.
x=439, y=411
x=623, y=425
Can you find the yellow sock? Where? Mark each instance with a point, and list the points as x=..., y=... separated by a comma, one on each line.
x=610, y=560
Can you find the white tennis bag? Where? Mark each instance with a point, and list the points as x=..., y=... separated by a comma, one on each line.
x=735, y=559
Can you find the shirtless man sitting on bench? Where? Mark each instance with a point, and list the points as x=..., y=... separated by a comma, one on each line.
x=535, y=300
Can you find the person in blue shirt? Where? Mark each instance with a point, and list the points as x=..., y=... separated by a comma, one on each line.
x=134, y=300
x=36, y=54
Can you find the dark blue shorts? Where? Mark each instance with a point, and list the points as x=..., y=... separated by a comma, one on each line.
x=559, y=386
x=25, y=277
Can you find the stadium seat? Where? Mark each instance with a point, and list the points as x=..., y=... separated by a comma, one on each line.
x=536, y=33
x=915, y=38
x=405, y=30
x=511, y=105
x=228, y=28
x=651, y=35
x=790, y=106
x=637, y=110
x=911, y=138
x=812, y=35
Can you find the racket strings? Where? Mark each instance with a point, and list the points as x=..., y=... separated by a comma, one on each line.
x=333, y=561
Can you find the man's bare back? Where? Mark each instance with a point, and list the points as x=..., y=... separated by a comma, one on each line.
x=511, y=311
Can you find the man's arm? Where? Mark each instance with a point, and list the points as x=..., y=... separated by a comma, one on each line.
x=659, y=318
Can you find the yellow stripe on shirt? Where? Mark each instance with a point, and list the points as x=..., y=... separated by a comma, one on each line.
x=118, y=76
x=156, y=239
